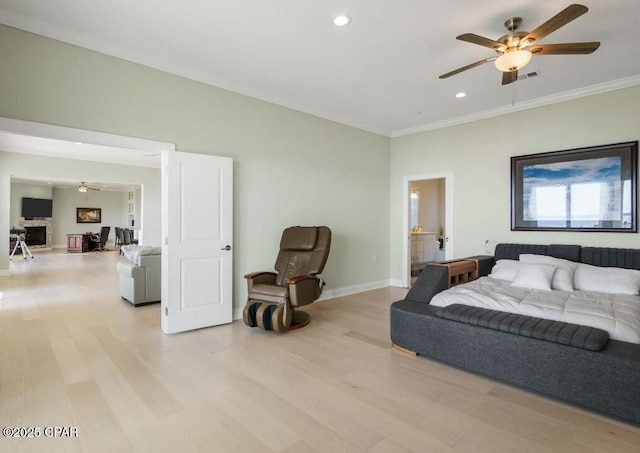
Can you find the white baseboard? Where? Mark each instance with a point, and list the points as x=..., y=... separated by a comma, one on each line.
x=398, y=283
x=237, y=313
x=348, y=290
x=339, y=292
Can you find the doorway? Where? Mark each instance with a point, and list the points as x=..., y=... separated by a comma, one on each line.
x=83, y=146
x=427, y=230
x=189, y=175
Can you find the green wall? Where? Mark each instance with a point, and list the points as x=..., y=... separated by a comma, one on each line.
x=290, y=168
x=478, y=154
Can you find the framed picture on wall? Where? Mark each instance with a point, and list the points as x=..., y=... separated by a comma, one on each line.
x=88, y=215
x=585, y=189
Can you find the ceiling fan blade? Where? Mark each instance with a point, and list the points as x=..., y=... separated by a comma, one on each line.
x=482, y=41
x=570, y=48
x=509, y=77
x=559, y=20
x=469, y=66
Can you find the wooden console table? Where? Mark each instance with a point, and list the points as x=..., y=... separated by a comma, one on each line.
x=79, y=243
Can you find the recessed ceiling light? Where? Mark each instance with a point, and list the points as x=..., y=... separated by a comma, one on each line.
x=78, y=143
x=342, y=20
x=461, y=94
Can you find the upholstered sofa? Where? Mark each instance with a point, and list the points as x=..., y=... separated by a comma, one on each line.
x=140, y=276
x=605, y=381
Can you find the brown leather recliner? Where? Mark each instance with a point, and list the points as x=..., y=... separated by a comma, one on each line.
x=273, y=296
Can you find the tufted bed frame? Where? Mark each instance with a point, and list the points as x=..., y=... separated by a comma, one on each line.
x=606, y=381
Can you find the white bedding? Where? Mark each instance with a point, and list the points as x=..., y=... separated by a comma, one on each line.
x=615, y=313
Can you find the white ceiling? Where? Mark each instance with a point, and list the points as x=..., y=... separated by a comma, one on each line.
x=380, y=73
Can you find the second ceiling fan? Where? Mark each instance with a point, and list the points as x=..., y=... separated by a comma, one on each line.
x=515, y=49
x=84, y=188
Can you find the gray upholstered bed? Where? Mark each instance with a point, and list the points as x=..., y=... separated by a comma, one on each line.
x=606, y=381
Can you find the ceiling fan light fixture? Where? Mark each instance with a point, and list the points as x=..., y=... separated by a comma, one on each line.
x=513, y=60
x=82, y=187
x=515, y=49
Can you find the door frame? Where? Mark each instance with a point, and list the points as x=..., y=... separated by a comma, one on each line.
x=73, y=136
x=448, y=218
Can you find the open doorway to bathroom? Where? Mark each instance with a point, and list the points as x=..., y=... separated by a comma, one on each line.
x=428, y=224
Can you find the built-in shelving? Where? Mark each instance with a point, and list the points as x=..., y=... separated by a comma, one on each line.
x=131, y=208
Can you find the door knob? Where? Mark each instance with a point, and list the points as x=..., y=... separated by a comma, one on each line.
x=228, y=247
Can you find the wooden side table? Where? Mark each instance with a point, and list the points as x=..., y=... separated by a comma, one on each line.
x=460, y=271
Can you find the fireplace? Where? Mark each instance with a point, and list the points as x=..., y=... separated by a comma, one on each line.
x=37, y=232
x=36, y=235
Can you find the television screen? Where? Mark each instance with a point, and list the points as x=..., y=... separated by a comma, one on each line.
x=37, y=207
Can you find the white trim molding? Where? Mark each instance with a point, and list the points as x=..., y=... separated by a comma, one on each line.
x=43, y=130
x=354, y=289
x=526, y=105
x=398, y=283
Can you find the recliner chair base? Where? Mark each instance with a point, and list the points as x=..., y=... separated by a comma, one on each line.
x=273, y=316
x=299, y=319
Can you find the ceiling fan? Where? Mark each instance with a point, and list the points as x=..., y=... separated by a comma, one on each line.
x=84, y=188
x=515, y=49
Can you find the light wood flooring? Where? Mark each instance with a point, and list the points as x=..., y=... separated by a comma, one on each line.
x=73, y=354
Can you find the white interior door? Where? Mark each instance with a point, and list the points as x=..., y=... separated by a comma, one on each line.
x=197, y=215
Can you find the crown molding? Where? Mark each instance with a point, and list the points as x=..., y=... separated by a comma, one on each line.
x=534, y=103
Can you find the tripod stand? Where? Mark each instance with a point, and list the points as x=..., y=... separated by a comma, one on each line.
x=22, y=245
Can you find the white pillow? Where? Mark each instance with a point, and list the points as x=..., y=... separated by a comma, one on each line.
x=612, y=280
x=505, y=270
x=534, y=276
x=563, y=278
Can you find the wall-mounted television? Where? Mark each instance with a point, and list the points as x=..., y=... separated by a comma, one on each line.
x=36, y=207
